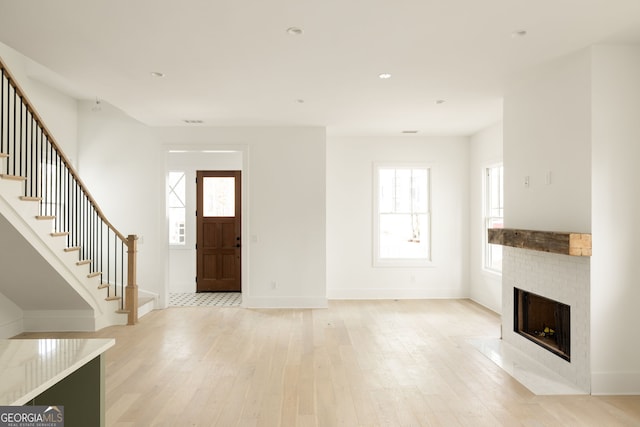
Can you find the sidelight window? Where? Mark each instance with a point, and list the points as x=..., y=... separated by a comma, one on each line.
x=177, y=207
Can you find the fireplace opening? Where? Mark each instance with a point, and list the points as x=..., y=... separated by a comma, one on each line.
x=544, y=321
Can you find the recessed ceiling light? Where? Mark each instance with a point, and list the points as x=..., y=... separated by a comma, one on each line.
x=518, y=33
x=294, y=31
x=409, y=131
x=157, y=74
x=440, y=101
x=193, y=122
x=384, y=76
x=300, y=101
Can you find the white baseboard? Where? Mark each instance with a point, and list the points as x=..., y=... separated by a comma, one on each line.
x=283, y=302
x=615, y=383
x=498, y=312
x=187, y=288
x=391, y=293
x=59, y=321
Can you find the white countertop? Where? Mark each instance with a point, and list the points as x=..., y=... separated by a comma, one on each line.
x=30, y=366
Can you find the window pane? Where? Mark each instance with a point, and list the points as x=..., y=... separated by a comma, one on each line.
x=494, y=215
x=386, y=194
x=403, y=191
x=420, y=189
x=495, y=222
x=403, y=214
x=404, y=236
x=176, y=226
x=177, y=211
x=177, y=189
x=495, y=189
x=219, y=196
x=495, y=257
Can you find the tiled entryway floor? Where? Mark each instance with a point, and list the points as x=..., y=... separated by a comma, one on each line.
x=206, y=299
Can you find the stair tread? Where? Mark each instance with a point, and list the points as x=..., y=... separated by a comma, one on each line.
x=13, y=177
x=59, y=233
x=71, y=249
x=84, y=262
x=45, y=217
x=4, y=155
x=112, y=298
x=94, y=274
x=30, y=199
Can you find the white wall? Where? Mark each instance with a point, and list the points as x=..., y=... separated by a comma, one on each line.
x=58, y=111
x=579, y=115
x=350, y=273
x=182, y=259
x=121, y=164
x=59, y=114
x=284, y=178
x=615, y=286
x=284, y=214
x=547, y=128
x=485, y=150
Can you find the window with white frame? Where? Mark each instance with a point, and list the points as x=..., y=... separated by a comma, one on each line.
x=494, y=213
x=177, y=207
x=402, y=217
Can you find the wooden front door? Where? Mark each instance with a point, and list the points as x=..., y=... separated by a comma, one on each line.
x=218, y=238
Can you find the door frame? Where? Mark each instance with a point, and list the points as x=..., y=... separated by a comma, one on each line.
x=168, y=150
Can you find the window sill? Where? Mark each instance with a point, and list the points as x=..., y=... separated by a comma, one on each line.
x=403, y=264
x=492, y=273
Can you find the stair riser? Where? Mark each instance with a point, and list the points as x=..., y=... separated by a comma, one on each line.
x=22, y=215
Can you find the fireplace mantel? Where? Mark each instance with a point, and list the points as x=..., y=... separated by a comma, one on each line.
x=574, y=244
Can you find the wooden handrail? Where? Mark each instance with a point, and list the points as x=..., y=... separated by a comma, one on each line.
x=55, y=145
x=131, y=293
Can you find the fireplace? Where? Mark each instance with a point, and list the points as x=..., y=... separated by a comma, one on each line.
x=544, y=321
x=555, y=266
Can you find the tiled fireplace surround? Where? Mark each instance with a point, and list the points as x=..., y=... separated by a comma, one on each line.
x=558, y=277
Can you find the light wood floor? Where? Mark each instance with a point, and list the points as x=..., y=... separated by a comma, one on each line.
x=357, y=363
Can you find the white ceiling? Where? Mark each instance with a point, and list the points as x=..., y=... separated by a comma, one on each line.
x=232, y=63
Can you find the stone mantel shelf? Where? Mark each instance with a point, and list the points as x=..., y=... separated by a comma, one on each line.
x=574, y=244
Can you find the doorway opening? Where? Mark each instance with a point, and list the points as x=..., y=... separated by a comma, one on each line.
x=181, y=267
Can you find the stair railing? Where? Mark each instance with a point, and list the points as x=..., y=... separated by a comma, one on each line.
x=33, y=154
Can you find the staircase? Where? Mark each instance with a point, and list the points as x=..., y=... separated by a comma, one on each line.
x=61, y=261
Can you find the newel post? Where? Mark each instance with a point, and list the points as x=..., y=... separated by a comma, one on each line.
x=131, y=291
